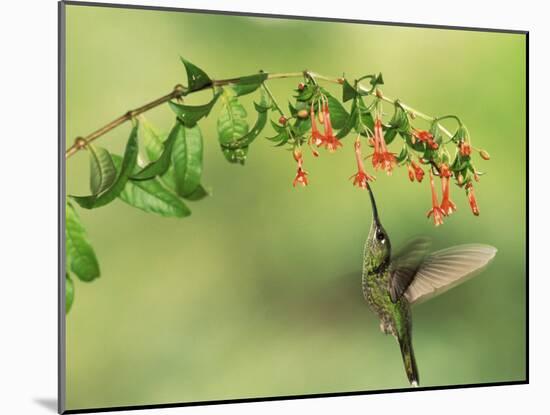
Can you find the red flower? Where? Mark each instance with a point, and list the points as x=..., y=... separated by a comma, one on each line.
x=331, y=142
x=435, y=210
x=316, y=137
x=447, y=205
x=465, y=148
x=301, y=177
x=361, y=178
x=328, y=139
x=301, y=174
x=411, y=172
x=415, y=172
x=382, y=158
x=425, y=137
x=472, y=199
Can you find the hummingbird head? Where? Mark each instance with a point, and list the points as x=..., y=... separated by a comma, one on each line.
x=378, y=243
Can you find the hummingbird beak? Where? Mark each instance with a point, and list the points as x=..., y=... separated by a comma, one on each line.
x=375, y=216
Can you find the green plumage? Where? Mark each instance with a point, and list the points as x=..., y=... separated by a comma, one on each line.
x=395, y=318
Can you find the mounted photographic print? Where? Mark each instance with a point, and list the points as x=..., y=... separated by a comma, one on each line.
x=259, y=207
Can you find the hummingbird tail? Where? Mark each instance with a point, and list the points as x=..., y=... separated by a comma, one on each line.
x=408, y=360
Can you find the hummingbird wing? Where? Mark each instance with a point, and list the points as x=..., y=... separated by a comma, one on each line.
x=405, y=265
x=445, y=269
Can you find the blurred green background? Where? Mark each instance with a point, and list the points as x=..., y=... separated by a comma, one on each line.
x=251, y=295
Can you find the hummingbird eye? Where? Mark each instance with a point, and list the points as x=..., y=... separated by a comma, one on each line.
x=380, y=236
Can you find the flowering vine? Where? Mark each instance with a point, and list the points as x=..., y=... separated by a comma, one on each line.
x=171, y=175
x=421, y=149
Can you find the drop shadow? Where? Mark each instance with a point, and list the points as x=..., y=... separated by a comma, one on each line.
x=48, y=403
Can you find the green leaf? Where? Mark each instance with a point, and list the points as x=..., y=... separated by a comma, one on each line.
x=191, y=114
x=69, y=293
x=377, y=80
x=338, y=114
x=199, y=193
x=367, y=120
x=460, y=162
x=237, y=151
x=403, y=155
x=292, y=109
x=237, y=155
x=80, y=255
x=151, y=196
x=153, y=141
x=307, y=93
x=248, y=84
x=364, y=118
x=102, y=170
x=262, y=108
x=348, y=92
x=277, y=127
x=366, y=113
x=281, y=138
x=389, y=135
x=352, y=122
x=161, y=165
x=460, y=134
x=128, y=166
x=169, y=179
x=400, y=119
x=232, y=121
x=429, y=154
x=301, y=127
x=153, y=144
x=187, y=160
x=232, y=126
x=196, y=77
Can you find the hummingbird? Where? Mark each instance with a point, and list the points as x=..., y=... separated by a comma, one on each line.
x=392, y=283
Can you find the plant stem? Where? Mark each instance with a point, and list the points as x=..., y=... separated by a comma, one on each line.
x=418, y=114
x=180, y=91
x=81, y=142
x=266, y=88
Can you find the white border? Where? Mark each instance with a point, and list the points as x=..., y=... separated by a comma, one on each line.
x=28, y=30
